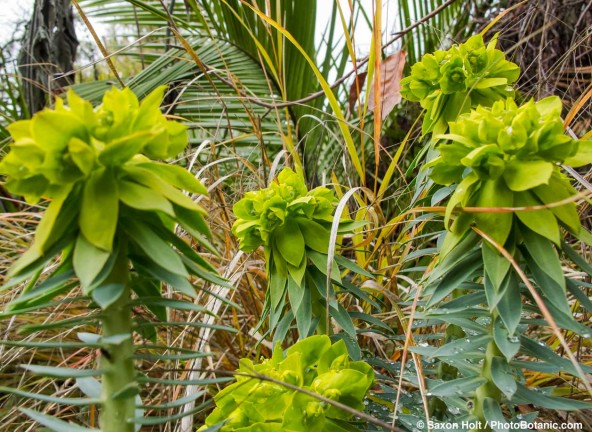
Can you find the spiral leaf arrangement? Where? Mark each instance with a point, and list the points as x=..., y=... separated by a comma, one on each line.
x=293, y=225
x=110, y=220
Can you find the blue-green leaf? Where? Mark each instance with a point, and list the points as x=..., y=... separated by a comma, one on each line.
x=543, y=352
x=544, y=255
x=353, y=266
x=524, y=395
x=510, y=304
x=48, y=289
x=51, y=399
x=155, y=248
x=106, y=295
x=508, y=345
x=455, y=276
x=462, y=347
x=493, y=414
x=496, y=266
x=304, y=314
x=296, y=294
x=162, y=274
x=61, y=372
x=502, y=376
x=460, y=386
x=89, y=386
x=320, y=262
x=55, y=424
x=342, y=318
x=277, y=288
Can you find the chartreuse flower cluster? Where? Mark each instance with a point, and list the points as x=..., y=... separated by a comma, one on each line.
x=89, y=161
x=509, y=156
x=59, y=147
x=293, y=225
x=313, y=364
x=448, y=83
x=505, y=162
x=286, y=218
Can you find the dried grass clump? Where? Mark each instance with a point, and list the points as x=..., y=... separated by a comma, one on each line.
x=551, y=40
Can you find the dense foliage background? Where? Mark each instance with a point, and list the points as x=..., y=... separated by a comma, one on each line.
x=259, y=90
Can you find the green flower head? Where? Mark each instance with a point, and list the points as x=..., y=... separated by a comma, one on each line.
x=313, y=364
x=509, y=155
x=286, y=218
x=96, y=167
x=448, y=83
x=59, y=147
x=454, y=76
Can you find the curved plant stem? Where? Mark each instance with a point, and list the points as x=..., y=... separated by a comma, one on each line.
x=119, y=381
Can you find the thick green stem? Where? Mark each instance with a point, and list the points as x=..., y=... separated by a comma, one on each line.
x=116, y=360
x=489, y=389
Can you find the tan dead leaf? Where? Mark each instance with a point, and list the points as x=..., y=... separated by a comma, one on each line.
x=391, y=73
x=355, y=90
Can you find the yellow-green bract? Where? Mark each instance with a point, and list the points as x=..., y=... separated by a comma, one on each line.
x=91, y=162
x=111, y=220
x=61, y=146
x=313, y=364
x=294, y=226
x=285, y=218
x=451, y=82
x=509, y=156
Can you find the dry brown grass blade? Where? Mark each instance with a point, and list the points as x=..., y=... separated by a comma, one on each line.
x=501, y=15
x=214, y=304
x=410, y=341
x=99, y=43
x=577, y=106
x=377, y=89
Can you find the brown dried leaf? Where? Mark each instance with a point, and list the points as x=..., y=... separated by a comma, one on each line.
x=356, y=89
x=391, y=73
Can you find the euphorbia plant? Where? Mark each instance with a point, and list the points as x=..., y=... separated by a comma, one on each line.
x=509, y=156
x=258, y=400
x=111, y=213
x=293, y=225
x=505, y=161
x=449, y=83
